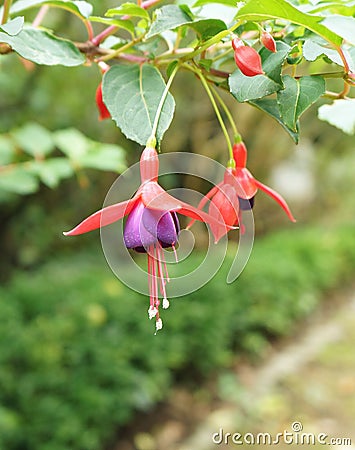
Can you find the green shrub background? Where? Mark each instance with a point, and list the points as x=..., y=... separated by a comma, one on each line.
x=78, y=355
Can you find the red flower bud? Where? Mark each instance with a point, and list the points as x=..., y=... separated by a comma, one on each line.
x=103, y=111
x=237, y=43
x=248, y=60
x=268, y=41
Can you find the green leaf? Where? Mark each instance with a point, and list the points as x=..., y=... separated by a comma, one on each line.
x=34, y=139
x=13, y=27
x=232, y=3
x=343, y=26
x=171, y=67
x=85, y=153
x=341, y=114
x=259, y=10
x=245, y=88
x=104, y=157
x=335, y=8
x=297, y=97
x=128, y=9
x=71, y=142
x=313, y=50
x=81, y=8
x=271, y=107
x=125, y=24
x=18, y=180
x=52, y=171
x=7, y=150
x=44, y=48
x=132, y=95
x=167, y=18
x=208, y=28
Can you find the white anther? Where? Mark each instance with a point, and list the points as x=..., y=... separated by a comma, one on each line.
x=166, y=303
x=152, y=312
x=159, y=324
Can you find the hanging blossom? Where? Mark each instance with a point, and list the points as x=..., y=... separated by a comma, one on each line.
x=224, y=202
x=249, y=185
x=151, y=226
x=236, y=193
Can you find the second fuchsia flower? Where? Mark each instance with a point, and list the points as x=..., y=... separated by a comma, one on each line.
x=236, y=193
x=151, y=226
x=249, y=185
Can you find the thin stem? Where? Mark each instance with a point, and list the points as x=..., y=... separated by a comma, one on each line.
x=6, y=11
x=121, y=49
x=215, y=107
x=104, y=34
x=152, y=138
x=218, y=37
x=89, y=29
x=343, y=58
x=227, y=112
x=40, y=15
x=112, y=28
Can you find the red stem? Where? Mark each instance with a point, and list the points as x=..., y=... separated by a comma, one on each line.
x=112, y=28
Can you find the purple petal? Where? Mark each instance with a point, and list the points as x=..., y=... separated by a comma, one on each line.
x=163, y=225
x=135, y=234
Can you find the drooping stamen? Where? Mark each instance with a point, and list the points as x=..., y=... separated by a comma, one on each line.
x=152, y=311
x=160, y=256
x=175, y=253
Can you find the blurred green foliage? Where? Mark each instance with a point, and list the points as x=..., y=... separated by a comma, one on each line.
x=78, y=355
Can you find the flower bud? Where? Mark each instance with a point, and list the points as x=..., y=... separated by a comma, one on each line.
x=268, y=41
x=248, y=60
x=103, y=111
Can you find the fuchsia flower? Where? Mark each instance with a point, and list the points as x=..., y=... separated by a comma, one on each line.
x=247, y=58
x=151, y=225
x=248, y=185
x=236, y=193
x=224, y=202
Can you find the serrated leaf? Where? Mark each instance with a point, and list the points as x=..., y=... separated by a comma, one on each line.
x=18, y=180
x=78, y=7
x=232, y=3
x=245, y=88
x=13, y=27
x=208, y=28
x=34, y=139
x=271, y=107
x=343, y=26
x=52, y=171
x=297, y=97
x=120, y=23
x=167, y=18
x=341, y=114
x=132, y=95
x=128, y=9
x=259, y=10
x=44, y=48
